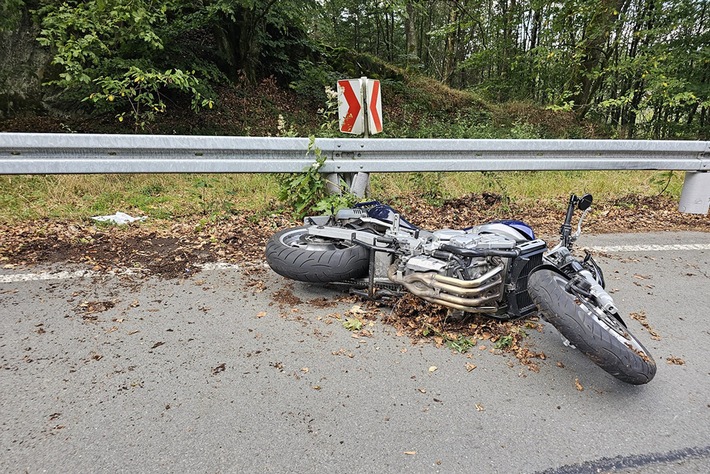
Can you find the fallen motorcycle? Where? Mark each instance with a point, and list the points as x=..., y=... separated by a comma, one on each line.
x=499, y=269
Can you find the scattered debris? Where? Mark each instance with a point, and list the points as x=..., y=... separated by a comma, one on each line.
x=675, y=360
x=285, y=296
x=641, y=318
x=120, y=218
x=424, y=321
x=343, y=352
x=352, y=324
x=176, y=249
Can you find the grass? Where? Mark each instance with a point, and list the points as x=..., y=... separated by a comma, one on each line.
x=25, y=198
x=158, y=196
x=528, y=187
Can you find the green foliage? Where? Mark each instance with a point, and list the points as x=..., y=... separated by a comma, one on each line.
x=504, y=342
x=308, y=191
x=330, y=125
x=302, y=191
x=334, y=202
x=638, y=67
x=285, y=130
x=113, y=54
x=262, y=37
x=460, y=344
x=494, y=180
x=86, y=34
x=313, y=80
x=456, y=342
x=352, y=324
x=662, y=180
x=144, y=91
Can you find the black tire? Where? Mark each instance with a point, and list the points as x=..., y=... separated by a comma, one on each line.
x=294, y=254
x=605, y=340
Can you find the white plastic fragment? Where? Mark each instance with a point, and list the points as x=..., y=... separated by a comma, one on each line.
x=118, y=218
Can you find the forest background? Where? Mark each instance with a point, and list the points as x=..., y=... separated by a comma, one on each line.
x=448, y=68
x=630, y=68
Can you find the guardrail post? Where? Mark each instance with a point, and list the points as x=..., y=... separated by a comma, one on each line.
x=332, y=183
x=695, y=197
x=358, y=183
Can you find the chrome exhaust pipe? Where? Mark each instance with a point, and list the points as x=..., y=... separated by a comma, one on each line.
x=477, y=296
x=475, y=283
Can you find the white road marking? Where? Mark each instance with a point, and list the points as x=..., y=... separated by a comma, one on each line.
x=218, y=266
x=46, y=276
x=649, y=248
x=66, y=275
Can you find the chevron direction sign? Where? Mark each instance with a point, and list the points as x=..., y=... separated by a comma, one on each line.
x=360, y=106
x=374, y=106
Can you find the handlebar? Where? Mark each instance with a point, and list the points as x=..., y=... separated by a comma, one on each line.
x=584, y=203
x=566, y=228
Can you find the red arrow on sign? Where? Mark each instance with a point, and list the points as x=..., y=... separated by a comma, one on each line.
x=353, y=106
x=374, y=113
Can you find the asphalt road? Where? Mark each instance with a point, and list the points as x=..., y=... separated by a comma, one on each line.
x=212, y=373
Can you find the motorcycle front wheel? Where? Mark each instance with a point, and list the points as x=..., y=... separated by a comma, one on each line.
x=295, y=254
x=598, y=335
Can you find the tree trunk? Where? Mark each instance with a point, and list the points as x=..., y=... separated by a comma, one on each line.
x=241, y=41
x=410, y=32
x=593, y=52
x=451, y=45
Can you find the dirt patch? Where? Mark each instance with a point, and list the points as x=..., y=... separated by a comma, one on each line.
x=169, y=251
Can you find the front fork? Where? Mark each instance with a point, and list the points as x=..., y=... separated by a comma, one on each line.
x=582, y=280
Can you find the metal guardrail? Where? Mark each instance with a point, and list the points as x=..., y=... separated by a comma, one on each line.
x=33, y=153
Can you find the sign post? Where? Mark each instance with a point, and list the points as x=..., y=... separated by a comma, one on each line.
x=695, y=196
x=359, y=113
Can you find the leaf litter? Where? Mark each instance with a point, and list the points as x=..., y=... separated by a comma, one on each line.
x=640, y=316
x=423, y=321
x=176, y=248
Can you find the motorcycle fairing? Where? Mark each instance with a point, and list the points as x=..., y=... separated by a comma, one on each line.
x=383, y=212
x=520, y=226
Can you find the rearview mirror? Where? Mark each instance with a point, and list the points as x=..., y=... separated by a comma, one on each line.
x=585, y=202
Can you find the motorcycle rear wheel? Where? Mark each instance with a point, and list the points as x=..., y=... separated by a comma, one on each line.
x=295, y=254
x=599, y=336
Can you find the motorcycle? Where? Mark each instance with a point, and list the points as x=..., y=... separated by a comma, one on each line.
x=498, y=269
